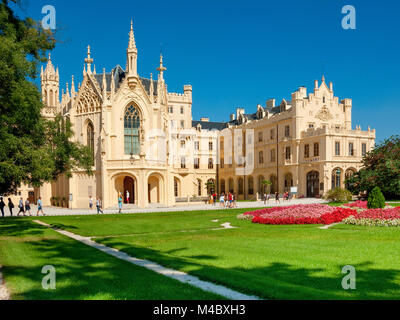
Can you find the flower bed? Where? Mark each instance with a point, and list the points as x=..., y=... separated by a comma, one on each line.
x=376, y=217
x=357, y=204
x=301, y=214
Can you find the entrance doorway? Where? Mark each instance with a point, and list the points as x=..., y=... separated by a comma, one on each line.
x=129, y=185
x=312, y=184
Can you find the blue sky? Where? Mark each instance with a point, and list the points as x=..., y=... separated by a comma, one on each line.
x=240, y=53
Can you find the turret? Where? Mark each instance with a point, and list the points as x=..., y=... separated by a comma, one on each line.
x=131, y=53
x=50, y=83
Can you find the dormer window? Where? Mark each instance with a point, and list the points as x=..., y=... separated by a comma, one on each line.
x=323, y=100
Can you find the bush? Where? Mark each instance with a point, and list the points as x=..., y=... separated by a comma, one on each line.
x=338, y=194
x=376, y=199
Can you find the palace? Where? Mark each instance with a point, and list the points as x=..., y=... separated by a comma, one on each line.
x=144, y=141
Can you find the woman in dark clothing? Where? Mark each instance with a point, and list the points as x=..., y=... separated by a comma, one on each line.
x=2, y=205
x=10, y=205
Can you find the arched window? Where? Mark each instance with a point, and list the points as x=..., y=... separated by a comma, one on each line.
x=90, y=137
x=336, y=178
x=176, y=188
x=223, y=185
x=240, y=186
x=251, y=185
x=230, y=185
x=199, y=187
x=131, y=130
x=51, y=100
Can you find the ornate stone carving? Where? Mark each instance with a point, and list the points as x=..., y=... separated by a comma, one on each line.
x=324, y=114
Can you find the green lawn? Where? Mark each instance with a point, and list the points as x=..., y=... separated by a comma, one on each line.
x=82, y=272
x=273, y=262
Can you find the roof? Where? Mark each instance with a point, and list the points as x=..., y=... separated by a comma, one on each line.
x=207, y=125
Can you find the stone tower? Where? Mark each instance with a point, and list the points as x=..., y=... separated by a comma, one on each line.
x=50, y=83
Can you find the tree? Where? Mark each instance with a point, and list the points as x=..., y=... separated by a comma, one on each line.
x=32, y=149
x=381, y=167
x=376, y=199
x=265, y=183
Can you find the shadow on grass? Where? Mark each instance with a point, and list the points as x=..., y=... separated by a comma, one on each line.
x=14, y=226
x=279, y=280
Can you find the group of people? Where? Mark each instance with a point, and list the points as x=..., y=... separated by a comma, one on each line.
x=226, y=200
x=286, y=197
x=24, y=207
x=99, y=204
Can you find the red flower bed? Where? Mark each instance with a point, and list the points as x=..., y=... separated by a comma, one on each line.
x=357, y=204
x=301, y=214
x=383, y=214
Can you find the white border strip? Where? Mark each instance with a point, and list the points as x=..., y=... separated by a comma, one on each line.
x=171, y=273
x=4, y=294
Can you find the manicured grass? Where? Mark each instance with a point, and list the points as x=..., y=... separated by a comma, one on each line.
x=82, y=272
x=273, y=262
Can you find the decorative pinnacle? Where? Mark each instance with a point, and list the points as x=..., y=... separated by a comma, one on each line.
x=132, y=44
x=161, y=68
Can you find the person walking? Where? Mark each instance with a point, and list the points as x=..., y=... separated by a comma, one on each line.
x=91, y=203
x=127, y=196
x=214, y=199
x=277, y=197
x=40, y=206
x=10, y=206
x=2, y=205
x=265, y=198
x=221, y=200
x=98, y=205
x=21, y=207
x=119, y=202
x=234, y=198
x=28, y=207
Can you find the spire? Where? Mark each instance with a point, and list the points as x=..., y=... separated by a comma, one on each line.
x=72, y=87
x=104, y=85
x=132, y=44
x=112, y=85
x=89, y=61
x=323, y=78
x=161, y=68
x=67, y=91
x=151, y=88
x=49, y=67
x=84, y=70
x=94, y=69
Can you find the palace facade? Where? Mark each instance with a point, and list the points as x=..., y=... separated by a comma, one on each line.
x=144, y=141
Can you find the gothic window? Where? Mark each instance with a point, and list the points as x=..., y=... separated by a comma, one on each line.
x=306, y=151
x=131, y=130
x=363, y=149
x=90, y=137
x=336, y=178
x=199, y=187
x=316, y=149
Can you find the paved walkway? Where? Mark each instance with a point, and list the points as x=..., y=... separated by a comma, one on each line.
x=170, y=273
x=55, y=211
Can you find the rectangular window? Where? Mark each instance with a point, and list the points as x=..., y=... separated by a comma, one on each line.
x=260, y=137
x=311, y=125
x=181, y=110
x=182, y=124
x=287, y=131
x=272, y=134
x=273, y=155
x=196, y=163
x=363, y=149
x=316, y=149
x=287, y=153
x=183, y=162
x=351, y=149
x=210, y=146
x=222, y=163
x=307, y=151
x=337, y=148
x=171, y=109
x=210, y=163
x=196, y=145
x=260, y=157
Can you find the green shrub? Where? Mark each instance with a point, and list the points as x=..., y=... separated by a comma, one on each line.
x=338, y=194
x=376, y=199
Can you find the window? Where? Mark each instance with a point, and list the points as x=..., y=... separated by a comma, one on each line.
x=131, y=130
x=222, y=163
x=199, y=188
x=323, y=100
x=240, y=185
x=210, y=163
x=171, y=109
x=311, y=125
x=182, y=124
x=183, y=162
x=337, y=148
x=287, y=131
x=336, y=177
x=90, y=138
x=176, y=190
x=196, y=145
x=210, y=146
x=196, y=163
x=181, y=110
x=272, y=134
x=273, y=155
x=260, y=157
x=223, y=185
x=363, y=149
x=316, y=149
x=287, y=153
x=251, y=185
x=260, y=137
x=351, y=149
x=307, y=151
x=172, y=124
x=183, y=144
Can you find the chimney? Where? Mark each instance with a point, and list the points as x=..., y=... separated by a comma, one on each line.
x=270, y=103
x=232, y=117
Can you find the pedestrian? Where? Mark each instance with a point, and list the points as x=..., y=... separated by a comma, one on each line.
x=40, y=206
x=277, y=197
x=221, y=200
x=119, y=202
x=214, y=199
x=10, y=206
x=230, y=199
x=21, y=207
x=28, y=207
x=2, y=205
x=98, y=205
x=234, y=197
x=265, y=198
x=127, y=196
x=91, y=202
